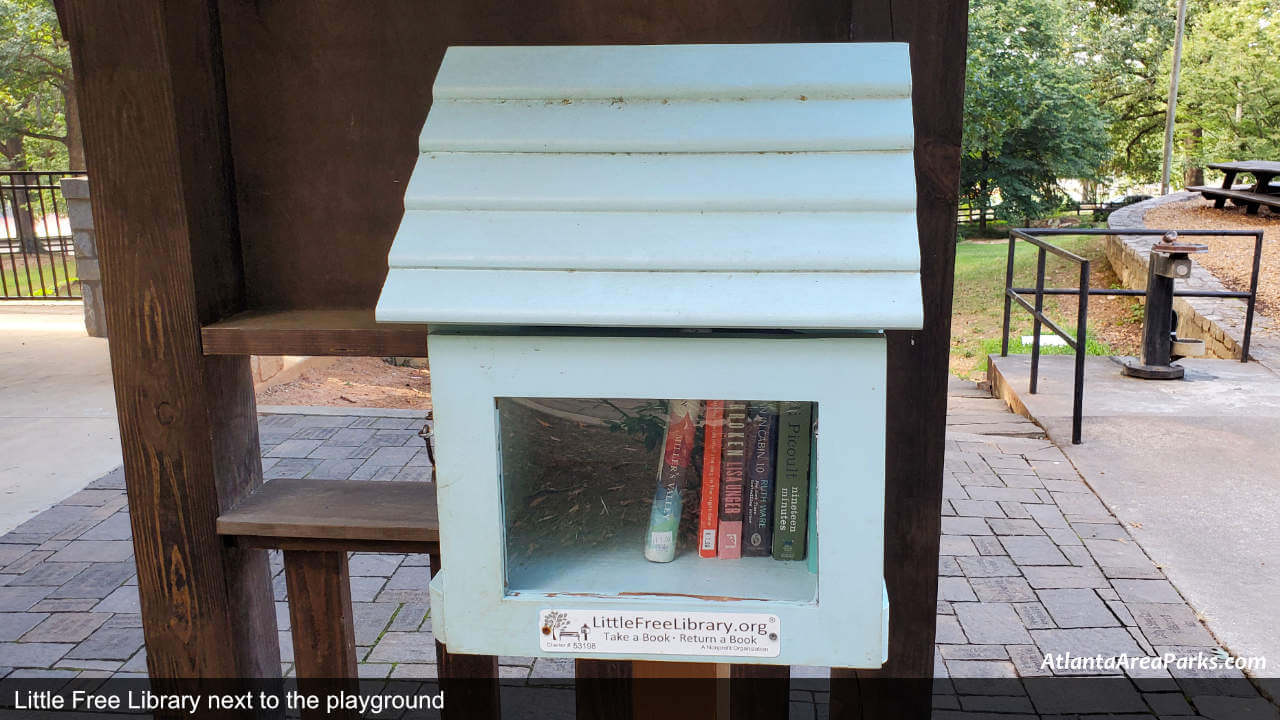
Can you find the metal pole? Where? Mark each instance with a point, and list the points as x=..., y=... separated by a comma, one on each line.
x=1253, y=298
x=1173, y=97
x=1082, y=335
x=1035, y=328
x=1008, y=283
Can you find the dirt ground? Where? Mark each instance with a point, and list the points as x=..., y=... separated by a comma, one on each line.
x=1116, y=321
x=1230, y=259
x=355, y=382
x=1113, y=321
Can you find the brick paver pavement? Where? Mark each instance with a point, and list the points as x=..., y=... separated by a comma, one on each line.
x=1032, y=563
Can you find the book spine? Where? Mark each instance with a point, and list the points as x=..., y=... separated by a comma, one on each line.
x=762, y=441
x=709, y=519
x=791, y=503
x=812, y=550
x=677, y=451
x=732, y=465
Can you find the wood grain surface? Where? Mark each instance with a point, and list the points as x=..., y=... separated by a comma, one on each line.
x=149, y=79
x=337, y=510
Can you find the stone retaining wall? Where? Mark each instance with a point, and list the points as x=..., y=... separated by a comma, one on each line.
x=76, y=192
x=1217, y=321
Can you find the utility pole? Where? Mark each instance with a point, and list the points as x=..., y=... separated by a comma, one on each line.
x=1173, y=97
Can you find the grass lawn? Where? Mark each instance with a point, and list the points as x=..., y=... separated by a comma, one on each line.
x=17, y=279
x=977, y=310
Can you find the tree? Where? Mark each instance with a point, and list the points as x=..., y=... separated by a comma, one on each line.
x=1126, y=49
x=1231, y=90
x=39, y=126
x=1028, y=118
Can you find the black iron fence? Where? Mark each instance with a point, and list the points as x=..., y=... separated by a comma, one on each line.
x=1077, y=341
x=37, y=256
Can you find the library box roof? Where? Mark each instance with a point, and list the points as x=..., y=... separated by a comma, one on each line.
x=712, y=186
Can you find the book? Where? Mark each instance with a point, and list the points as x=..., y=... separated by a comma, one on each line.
x=709, y=518
x=677, y=452
x=762, y=441
x=812, y=550
x=791, y=495
x=732, y=465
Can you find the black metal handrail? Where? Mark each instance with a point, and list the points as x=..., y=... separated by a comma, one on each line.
x=1083, y=291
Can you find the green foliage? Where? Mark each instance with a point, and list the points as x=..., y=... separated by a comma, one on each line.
x=1028, y=119
x=35, y=89
x=1230, y=83
x=1092, y=346
x=1229, y=90
x=1126, y=50
x=649, y=422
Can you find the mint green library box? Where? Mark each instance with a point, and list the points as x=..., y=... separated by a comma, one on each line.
x=658, y=280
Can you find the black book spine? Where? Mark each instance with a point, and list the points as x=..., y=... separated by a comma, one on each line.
x=762, y=441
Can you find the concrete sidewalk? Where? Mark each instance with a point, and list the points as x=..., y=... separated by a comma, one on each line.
x=58, y=427
x=1192, y=468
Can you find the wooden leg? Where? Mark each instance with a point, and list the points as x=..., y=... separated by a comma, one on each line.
x=1228, y=179
x=324, y=632
x=604, y=690
x=469, y=682
x=674, y=690
x=759, y=692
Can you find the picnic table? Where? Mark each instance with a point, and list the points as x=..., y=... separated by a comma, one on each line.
x=1250, y=196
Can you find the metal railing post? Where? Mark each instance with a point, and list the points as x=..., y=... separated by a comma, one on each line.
x=1008, y=300
x=1035, y=328
x=1082, y=339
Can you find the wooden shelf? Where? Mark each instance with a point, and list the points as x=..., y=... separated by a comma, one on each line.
x=313, y=332
x=289, y=512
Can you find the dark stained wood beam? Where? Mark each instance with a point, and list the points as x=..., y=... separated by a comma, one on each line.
x=917, y=382
x=153, y=106
x=759, y=692
x=604, y=690
x=313, y=332
x=324, y=629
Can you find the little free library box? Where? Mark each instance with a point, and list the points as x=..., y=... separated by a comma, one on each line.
x=657, y=280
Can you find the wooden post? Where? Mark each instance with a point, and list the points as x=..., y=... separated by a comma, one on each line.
x=759, y=692
x=917, y=382
x=324, y=630
x=150, y=86
x=604, y=690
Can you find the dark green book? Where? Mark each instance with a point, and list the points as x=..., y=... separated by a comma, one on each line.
x=791, y=501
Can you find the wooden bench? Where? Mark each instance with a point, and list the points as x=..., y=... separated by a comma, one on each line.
x=316, y=523
x=1240, y=196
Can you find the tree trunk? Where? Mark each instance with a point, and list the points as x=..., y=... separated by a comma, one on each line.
x=1192, y=173
x=14, y=202
x=75, y=139
x=21, y=201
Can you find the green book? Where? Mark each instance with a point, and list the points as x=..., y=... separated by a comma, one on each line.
x=791, y=499
x=813, y=505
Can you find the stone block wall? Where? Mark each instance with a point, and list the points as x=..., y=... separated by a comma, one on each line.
x=76, y=192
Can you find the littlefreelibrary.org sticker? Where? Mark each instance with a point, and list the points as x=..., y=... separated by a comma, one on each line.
x=646, y=632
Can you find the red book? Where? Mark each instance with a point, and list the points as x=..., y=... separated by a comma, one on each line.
x=709, y=520
x=732, y=467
